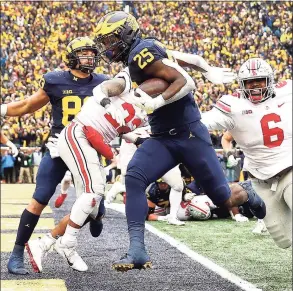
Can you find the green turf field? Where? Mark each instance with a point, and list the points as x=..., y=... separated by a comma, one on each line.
x=233, y=246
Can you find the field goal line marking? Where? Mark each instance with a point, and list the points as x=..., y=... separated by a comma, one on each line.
x=222, y=272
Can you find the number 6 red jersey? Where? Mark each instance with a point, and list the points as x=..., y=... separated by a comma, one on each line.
x=263, y=130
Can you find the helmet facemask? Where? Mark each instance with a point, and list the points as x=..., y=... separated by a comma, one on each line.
x=259, y=94
x=75, y=60
x=256, y=80
x=112, y=48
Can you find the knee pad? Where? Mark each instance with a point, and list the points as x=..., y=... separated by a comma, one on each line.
x=96, y=227
x=43, y=194
x=83, y=206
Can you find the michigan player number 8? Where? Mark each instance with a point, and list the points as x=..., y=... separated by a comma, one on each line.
x=71, y=106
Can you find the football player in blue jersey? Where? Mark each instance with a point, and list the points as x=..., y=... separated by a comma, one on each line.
x=178, y=136
x=66, y=91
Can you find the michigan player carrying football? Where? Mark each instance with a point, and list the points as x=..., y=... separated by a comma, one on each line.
x=260, y=121
x=177, y=133
x=66, y=91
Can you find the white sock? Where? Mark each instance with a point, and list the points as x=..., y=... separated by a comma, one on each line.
x=175, y=200
x=65, y=184
x=70, y=236
x=117, y=188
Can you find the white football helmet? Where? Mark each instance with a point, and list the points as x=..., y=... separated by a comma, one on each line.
x=199, y=209
x=256, y=68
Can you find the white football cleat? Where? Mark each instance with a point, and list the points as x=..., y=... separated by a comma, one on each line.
x=70, y=254
x=38, y=249
x=260, y=228
x=175, y=221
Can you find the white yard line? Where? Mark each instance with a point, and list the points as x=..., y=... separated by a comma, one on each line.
x=244, y=285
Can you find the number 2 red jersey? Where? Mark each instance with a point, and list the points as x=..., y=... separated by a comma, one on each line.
x=263, y=130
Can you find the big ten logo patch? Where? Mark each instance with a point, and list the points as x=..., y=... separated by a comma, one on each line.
x=249, y=111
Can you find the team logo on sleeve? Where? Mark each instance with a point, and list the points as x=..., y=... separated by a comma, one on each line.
x=42, y=83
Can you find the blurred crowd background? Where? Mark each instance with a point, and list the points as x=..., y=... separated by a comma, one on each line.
x=34, y=36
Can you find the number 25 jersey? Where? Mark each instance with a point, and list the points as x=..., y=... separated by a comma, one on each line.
x=67, y=94
x=143, y=53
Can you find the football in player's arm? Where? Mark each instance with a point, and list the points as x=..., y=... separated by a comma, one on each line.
x=174, y=118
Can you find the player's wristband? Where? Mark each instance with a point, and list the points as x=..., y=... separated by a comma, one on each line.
x=3, y=109
x=10, y=144
x=159, y=101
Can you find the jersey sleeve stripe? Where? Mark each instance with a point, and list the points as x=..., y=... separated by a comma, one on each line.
x=223, y=106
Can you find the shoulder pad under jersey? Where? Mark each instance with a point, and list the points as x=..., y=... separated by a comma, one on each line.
x=283, y=87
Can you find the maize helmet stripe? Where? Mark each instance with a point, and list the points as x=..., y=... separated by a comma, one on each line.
x=115, y=33
x=72, y=60
x=111, y=22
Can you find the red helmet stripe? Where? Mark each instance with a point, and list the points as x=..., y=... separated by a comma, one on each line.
x=200, y=209
x=253, y=67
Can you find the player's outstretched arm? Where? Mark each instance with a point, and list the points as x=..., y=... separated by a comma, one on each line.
x=29, y=105
x=226, y=141
x=191, y=61
x=216, y=120
x=7, y=142
x=227, y=145
x=3, y=138
x=109, y=88
x=215, y=75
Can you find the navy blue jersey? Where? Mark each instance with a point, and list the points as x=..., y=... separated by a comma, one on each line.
x=143, y=53
x=67, y=94
x=158, y=197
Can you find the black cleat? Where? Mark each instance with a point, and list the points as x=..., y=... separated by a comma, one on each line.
x=16, y=266
x=255, y=203
x=127, y=262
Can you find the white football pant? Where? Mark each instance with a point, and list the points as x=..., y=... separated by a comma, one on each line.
x=278, y=201
x=83, y=162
